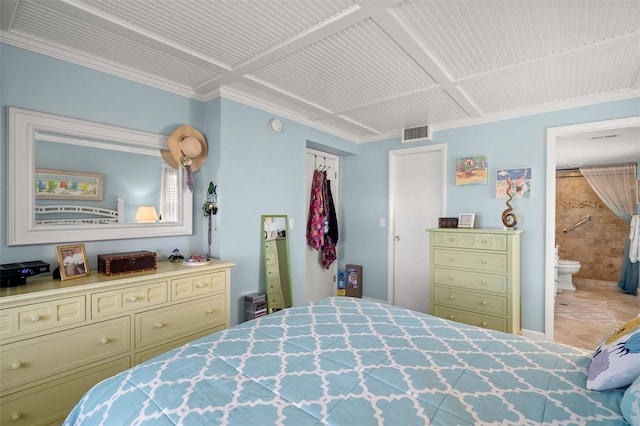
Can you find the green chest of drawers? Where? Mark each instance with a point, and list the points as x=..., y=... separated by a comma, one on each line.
x=475, y=277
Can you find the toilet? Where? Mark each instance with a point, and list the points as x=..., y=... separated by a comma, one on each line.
x=565, y=270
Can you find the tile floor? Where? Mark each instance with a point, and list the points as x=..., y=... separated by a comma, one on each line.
x=583, y=317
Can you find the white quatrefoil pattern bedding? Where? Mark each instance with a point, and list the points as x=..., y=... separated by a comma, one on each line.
x=347, y=361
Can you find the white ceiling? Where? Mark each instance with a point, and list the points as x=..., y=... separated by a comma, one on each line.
x=359, y=69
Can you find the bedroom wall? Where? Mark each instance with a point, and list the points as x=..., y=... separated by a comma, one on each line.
x=514, y=143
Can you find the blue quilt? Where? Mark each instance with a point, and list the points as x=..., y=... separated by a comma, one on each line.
x=347, y=361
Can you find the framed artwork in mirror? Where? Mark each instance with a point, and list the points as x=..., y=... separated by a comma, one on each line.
x=72, y=261
x=67, y=185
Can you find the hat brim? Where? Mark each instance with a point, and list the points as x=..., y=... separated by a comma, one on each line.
x=166, y=156
x=174, y=145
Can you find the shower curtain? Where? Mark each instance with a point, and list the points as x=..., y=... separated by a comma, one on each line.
x=616, y=187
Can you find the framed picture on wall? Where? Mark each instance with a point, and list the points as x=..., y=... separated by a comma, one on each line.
x=466, y=220
x=72, y=261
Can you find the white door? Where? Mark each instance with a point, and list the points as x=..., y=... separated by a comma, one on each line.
x=321, y=282
x=416, y=201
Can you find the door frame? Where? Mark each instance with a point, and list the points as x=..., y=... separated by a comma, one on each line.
x=553, y=134
x=442, y=148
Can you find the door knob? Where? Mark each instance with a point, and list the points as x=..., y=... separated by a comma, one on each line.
x=397, y=238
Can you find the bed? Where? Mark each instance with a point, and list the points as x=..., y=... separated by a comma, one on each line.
x=348, y=361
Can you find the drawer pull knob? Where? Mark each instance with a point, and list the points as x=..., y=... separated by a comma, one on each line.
x=450, y=239
x=484, y=303
x=451, y=316
x=104, y=340
x=451, y=277
x=158, y=325
x=484, y=241
x=209, y=311
x=484, y=282
x=451, y=258
x=484, y=261
x=199, y=285
x=132, y=298
x=484, y=323
x=16, y=415
x=15, y=365
x=36, y=318
x=451, y=297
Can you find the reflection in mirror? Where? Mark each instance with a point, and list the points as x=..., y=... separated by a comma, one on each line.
x=277, y=272
x=71, y=180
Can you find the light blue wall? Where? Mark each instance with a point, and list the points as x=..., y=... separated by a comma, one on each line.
x=261, y=172
x=514, y=143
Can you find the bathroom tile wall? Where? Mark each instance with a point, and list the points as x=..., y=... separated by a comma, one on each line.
x=597, y=244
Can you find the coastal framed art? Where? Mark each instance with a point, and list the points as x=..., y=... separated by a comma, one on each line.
x=471, y=170
x=68, y=185
x=519, y=181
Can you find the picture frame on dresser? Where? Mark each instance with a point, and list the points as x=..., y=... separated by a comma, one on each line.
x=466, y=220
x=72, y=261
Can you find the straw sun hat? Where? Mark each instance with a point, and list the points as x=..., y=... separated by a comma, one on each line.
x=186, y=144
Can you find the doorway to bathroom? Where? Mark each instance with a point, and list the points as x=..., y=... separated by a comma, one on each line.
x=582, y=317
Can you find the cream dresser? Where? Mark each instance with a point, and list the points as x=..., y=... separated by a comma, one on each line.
x=475, y=277
x=58, y=338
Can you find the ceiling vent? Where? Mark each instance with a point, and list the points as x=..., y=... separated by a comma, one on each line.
x=416, y=134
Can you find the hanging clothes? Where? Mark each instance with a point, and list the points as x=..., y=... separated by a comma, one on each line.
x=315, y=221
x=329, y=254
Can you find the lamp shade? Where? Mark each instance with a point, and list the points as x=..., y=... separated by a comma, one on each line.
x=146, y=214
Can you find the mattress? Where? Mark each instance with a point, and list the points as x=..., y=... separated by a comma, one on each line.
x=348, y=361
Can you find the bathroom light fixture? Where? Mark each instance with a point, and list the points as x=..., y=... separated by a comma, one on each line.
x=146, y=214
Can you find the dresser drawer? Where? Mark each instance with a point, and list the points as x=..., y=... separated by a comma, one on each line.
x=471, y=280
x=484, y=321
x=188, y=287
x=470, y=301
x=146, y=355
x=474, y=260
x=470, y=240
x=41, y=316
x=51, y=402
x=54, y=353
x=128, y=299
x=163, y=324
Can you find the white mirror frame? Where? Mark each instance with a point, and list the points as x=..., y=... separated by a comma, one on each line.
x=23, y=126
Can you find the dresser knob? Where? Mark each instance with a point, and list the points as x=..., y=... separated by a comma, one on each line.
x=209, y=311
x=199, y=285
x=484, y=261
x=15, y=365
x=484, y=241
x=132, y=298
x=451, y=258
x=450, y=239
x=484, y=282
x=484, y=323
x=451, y=316
x=484, y=302
x=16, y=415
x=36, y=318
x=104, y=340
x=451, y=297
x=158, y=325
x=451, y=277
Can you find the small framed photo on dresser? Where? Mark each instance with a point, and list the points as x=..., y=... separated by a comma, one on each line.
x=73, y=262
x=466, y=220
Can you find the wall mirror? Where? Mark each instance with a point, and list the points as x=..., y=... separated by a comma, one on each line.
x=75, y=180
x=277, y=271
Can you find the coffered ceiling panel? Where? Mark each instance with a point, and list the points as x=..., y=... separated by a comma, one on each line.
x=359, y=69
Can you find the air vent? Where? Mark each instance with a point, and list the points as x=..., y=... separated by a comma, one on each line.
x=416, y=134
